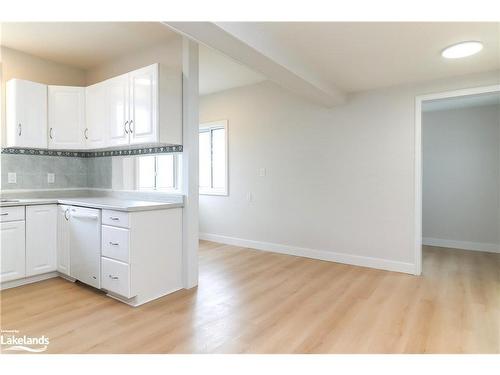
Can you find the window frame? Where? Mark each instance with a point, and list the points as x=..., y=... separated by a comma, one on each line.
x=176, y=174
x=210, y=127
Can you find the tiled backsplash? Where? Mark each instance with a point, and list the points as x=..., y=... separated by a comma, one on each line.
x=70, y=172
x=99, y=172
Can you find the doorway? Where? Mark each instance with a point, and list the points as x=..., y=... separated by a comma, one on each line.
x=425, y=102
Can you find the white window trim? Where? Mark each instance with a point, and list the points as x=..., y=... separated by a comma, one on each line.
x=209, y=126
x=177, y=180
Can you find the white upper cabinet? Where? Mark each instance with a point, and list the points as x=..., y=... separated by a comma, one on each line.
x=26, y=114
x=66, y=117
x=146, y=107
x=143, y=105
x=118, y=110
x=97, y=115
x=169, y=106
x=140, y=107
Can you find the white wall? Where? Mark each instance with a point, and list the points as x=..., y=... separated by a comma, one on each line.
x=340, y=181
x=168, y=53
x=461, y=166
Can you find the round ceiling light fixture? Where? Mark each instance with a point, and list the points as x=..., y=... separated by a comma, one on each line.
x=462, y=49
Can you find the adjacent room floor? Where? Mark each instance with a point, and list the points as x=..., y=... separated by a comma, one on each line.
x=250, y=301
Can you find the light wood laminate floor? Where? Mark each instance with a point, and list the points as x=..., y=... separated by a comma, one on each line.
x=250, y=301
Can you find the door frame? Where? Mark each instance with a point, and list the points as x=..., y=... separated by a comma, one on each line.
x=419, y=100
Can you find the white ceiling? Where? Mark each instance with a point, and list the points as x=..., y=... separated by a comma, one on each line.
x=468, y=101
x=219, y=73
x=83, y=45
x=86, y=45
x=348, y=56
x=357, y=56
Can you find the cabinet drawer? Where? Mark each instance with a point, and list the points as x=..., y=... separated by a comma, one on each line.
x=15, y=213
x=115, y=277
x=115, y=218
x=115, y=243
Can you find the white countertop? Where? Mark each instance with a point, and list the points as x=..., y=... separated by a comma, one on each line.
x=107, y=203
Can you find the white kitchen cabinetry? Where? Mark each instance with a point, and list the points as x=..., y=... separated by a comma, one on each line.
x=134, y=256
x=146, y=107
x=118, y=110
x=67, y=128
x=97, y=115
x=141, y=254
x=143, y=105
x=26, y=114
x=12, y=253
x=41, y=239
x=63, y=239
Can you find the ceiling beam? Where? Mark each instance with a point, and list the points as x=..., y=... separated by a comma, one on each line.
x=249, y=53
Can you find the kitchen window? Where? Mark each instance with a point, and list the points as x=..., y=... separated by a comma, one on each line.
x=213, y=158
x=158, y=172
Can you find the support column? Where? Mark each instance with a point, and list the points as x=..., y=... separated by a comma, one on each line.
x=190, y=158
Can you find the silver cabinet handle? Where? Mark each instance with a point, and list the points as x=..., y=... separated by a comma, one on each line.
x=4, y=214
x=90, y=217
x=114, y=218
x=86, y=133
x=114, y=243
x=50, y=134
x=66, y=213
x=20, y=129
x=113, y=277
x=125, y=126
x=130, y=126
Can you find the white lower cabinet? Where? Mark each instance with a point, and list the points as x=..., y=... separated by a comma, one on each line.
x=63, y=238
x=41, y=239
x=12, y=255
x=135, y=257
x=116, y=277
x=141, y=254
x=115, y=243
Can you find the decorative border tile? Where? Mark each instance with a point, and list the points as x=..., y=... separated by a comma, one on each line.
x=36, y=151
x=93, y=154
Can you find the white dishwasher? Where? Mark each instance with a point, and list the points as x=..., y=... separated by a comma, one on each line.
x=85, y=245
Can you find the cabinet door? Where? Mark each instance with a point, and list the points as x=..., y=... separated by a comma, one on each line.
x=26, y=114
x=63, y=239
x=118, y=111
x=96, y=109
x=12, y=251
x=144, y=105
x=41, y=239
x=66, y=117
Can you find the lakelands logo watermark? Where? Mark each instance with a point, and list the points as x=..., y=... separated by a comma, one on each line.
x=11, y=340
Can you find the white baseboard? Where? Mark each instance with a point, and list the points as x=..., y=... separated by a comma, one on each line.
x=356, y=260
x=27, y=280
x=464, y=245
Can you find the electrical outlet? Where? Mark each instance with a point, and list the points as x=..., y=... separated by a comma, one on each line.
x=249, y=197
x=51, y=178
x=12, y=178
x=262, y=172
